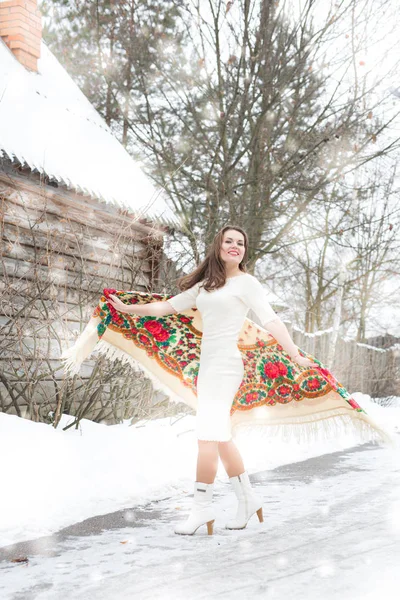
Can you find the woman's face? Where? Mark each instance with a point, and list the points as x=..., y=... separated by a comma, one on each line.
x=232, y=248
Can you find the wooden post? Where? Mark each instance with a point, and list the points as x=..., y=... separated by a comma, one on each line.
x=337, y=317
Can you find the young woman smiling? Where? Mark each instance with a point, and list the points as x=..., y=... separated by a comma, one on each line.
x=223, y=292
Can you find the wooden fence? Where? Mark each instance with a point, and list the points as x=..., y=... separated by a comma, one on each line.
x=359, y=367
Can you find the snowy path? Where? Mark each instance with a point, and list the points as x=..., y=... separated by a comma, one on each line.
x=331, y=530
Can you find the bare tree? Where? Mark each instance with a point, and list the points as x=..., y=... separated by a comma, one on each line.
x=230, y=104
x=54, y=266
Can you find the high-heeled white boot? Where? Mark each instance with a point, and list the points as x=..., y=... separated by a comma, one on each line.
x=249, y=502
x=202, y=510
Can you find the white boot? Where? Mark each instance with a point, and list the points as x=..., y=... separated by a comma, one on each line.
x=249, y=502
x=202, y=510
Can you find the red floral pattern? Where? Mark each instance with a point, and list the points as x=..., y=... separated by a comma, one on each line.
x=270, y=376
x=275, y=369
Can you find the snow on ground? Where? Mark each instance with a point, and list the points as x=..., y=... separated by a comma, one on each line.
x=53, y=478
x=331, y=530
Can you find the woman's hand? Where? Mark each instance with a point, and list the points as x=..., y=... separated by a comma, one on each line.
x=303, y=361
x=119, y=305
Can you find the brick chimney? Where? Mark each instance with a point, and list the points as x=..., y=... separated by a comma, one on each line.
x=21, y=29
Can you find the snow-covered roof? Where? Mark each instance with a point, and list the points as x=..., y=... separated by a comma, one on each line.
x=47, y=123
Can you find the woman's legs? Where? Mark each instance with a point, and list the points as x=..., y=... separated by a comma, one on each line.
x=248, y=501
x=203, y=511
x=207, y=461
x=231, y=459
x=207, y=465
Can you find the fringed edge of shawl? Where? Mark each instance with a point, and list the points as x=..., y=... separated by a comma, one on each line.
x=113, y=353
x=310, y=429
x=74, y=356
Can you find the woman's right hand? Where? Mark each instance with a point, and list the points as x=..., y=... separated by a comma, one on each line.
x=119, y=305
x=303, y=361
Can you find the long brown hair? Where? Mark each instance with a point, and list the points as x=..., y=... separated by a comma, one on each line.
x=212, y=269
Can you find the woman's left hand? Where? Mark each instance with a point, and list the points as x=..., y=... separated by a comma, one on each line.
x=118, y=304
x=304, y=362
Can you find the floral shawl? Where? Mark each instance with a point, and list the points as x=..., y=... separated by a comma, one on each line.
x=276, y=394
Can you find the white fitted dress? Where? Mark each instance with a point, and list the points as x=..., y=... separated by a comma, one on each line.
x=221, y=367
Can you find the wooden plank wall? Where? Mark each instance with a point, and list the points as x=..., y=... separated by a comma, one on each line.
x=59, y=250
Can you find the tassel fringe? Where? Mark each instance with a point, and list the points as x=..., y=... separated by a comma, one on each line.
x=308, y=430
x=88, y=341
x=85, y=344
x=113, y=353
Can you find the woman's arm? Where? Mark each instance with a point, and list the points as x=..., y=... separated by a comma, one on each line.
x=181, y=302
x=150, y=309
x=279, y=331
x=253, y=294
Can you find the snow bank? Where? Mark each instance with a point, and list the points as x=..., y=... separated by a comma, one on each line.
x=53, y=478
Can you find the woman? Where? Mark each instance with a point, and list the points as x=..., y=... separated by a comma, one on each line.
x=223, y=292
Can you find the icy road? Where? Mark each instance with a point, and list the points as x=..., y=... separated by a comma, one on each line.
x=331, y=530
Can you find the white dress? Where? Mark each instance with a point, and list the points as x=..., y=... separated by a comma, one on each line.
x=221, y=367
